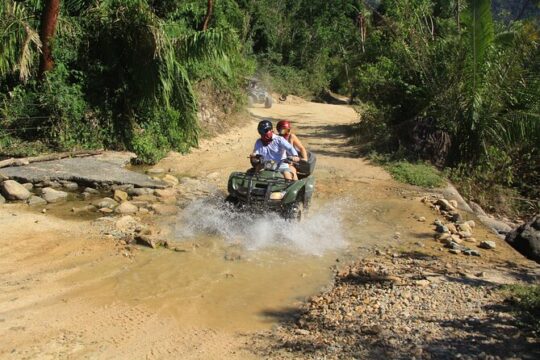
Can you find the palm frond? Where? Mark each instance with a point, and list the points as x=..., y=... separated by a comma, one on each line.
x=20, y=42
x=481, y=33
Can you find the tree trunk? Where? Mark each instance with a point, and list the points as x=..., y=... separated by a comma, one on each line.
x=49, y=17
x=209, y=8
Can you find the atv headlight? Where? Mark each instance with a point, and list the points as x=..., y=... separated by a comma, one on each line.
x=277, y=195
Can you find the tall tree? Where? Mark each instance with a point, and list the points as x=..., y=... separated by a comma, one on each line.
x=209, y=7
x=49, y=18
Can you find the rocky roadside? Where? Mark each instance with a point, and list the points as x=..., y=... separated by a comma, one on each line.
x=404, y=306
x=441, y=300
x=121, y=212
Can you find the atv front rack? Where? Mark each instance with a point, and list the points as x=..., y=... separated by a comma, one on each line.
x=254, y=194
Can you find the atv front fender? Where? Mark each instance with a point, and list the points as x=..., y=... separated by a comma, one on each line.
x=293, y=191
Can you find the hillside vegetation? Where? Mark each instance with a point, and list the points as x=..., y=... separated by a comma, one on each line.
x=454, y=83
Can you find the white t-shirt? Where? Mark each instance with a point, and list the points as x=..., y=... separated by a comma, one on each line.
x=277, y=150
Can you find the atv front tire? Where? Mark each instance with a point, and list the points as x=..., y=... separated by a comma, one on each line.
x=294, y=211
x=251, y=101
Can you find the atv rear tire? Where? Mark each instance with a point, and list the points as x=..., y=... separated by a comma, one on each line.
x=268, y=102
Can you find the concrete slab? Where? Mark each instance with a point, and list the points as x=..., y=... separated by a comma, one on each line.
x=84, y=171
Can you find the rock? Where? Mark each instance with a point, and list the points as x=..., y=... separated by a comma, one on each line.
x=477, y=209
x=120, y=195
x=451, y=192
x=106, y=203
x=445, y=236
x=212, y=175
x=144, y=198
x=465, y=234
x=488, y=245
x=438, y=222
x=15, y=191
x=91, y=191
x=455, y=217
x=28, y=186
x=143, y=211
x=51, y=183
x=526, y=239
x=140, y=191
x=445, y=205
x=452, y=228
x=86, y=195
x=471, y=240
x=301, y=332
x=162, y=209
x=454, y=245
x=496, y=225
x=126, y=208
x=465, y=227
x=170, y=179
x=422, y=219
x=105, y=210
x=3, y=177
x=471, y=223
x=454, y=203
x=53, y=196
x=423, y=282
x=36, y=201
x=165, y=192
x=123, y=187
x=149, y=240
x=442, y=229
x=2, y=199
x=456, y=238
x=455, y=251
x=471, y=252
x=70, y=185
x=126, y=224
x=87, y=208
x=155, y=171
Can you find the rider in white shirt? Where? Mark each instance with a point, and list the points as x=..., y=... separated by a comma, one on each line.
x=272, y=147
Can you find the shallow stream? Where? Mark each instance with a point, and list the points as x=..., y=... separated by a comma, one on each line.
x=234, y=271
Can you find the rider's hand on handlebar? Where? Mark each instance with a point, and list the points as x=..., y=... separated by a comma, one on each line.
x=295, y=159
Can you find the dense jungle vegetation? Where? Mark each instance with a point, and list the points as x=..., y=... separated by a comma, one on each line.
x=452, y=82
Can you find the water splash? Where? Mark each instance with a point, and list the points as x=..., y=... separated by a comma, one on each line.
x=319, y=232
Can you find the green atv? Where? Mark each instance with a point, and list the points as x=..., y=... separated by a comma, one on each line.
x=263, y=188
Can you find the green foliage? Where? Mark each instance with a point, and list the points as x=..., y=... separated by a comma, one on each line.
x=526, y=302
x=123, y=76
x=415, y=174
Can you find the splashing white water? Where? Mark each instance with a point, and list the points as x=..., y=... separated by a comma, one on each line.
x=319, y=232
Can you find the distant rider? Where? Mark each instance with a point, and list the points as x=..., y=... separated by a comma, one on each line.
x=284, y=129
x=273, y=147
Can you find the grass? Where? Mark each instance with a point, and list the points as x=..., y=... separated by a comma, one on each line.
x=525, y=300
x=415, y=174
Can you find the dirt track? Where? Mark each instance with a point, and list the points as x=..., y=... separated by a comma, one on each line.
x=42, y=312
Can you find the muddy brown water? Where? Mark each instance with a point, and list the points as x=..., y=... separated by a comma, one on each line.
x=222, y=279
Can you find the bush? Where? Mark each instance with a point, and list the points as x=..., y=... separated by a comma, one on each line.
x=526, y=302
x=415, y=174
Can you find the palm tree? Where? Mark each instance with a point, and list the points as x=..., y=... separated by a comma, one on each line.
x=49, y=18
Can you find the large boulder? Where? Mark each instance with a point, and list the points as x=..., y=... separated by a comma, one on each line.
x=53, y=196
x=526, y=239
x=15, y=191
x=2, y=199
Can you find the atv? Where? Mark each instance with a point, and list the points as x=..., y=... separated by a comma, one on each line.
x=263, y=188
x=257, y=94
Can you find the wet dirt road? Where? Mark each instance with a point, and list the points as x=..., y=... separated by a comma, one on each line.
x=67, y=292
